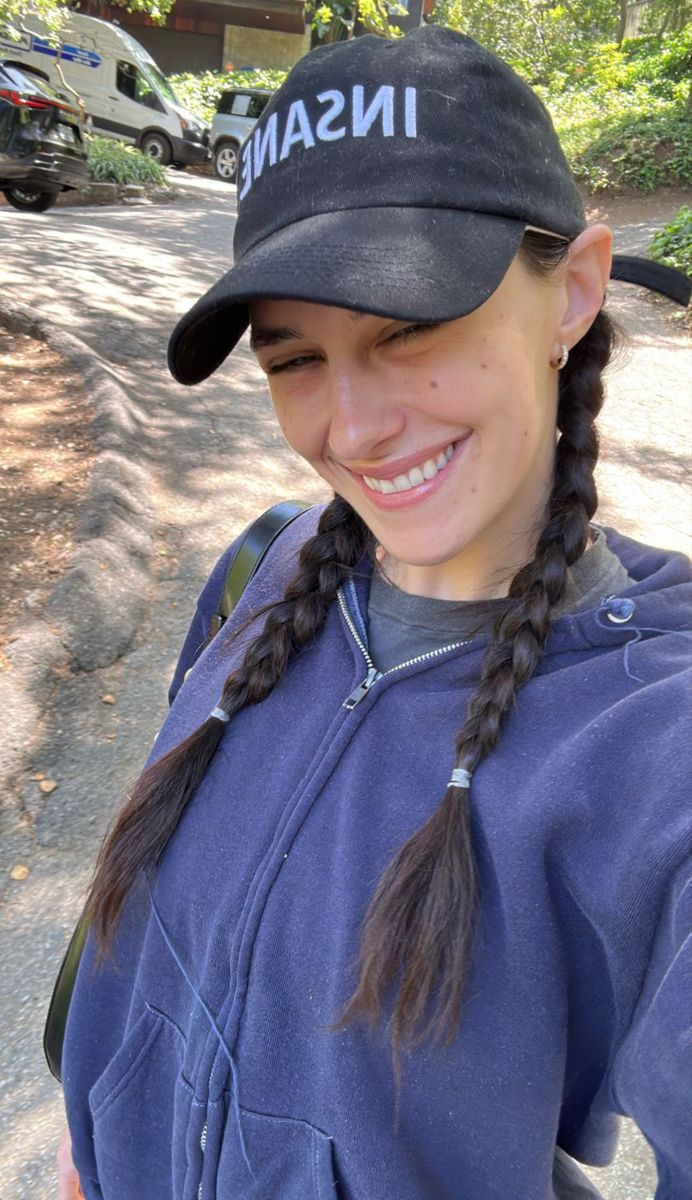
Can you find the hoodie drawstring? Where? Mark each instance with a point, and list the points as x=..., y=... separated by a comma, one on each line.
x=619, y=610
x=212, y=1021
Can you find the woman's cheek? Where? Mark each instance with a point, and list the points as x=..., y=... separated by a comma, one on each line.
x=303, y=435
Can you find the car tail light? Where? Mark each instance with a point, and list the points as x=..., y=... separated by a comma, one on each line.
x=34, y=101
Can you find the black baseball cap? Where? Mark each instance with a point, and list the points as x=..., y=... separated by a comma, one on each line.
x=393, y=177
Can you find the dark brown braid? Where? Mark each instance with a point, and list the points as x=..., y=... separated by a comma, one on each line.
x=418, y=928
x=152, y=811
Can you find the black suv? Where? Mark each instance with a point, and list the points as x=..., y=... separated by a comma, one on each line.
x=42, y=150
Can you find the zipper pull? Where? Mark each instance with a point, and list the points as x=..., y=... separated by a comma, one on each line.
x=363, y=688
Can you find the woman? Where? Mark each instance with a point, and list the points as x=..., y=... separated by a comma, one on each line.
x=399, y=907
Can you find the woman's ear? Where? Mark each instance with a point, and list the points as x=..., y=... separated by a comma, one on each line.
x=587, y=271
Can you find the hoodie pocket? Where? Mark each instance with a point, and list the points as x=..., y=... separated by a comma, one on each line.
x=132, y=1106
x=284, y=1159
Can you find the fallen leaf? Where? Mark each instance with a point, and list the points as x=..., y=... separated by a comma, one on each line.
x=19, y=872
x=37, y=775
x=48, y=785
x=108, y=699
x=110, y=736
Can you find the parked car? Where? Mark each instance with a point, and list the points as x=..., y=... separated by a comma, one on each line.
x=42, y=149
x=126, y=95
x=236, y=114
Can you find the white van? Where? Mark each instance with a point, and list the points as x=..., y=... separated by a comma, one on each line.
x=125, y=93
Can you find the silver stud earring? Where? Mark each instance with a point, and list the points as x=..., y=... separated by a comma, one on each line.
x=562, y=359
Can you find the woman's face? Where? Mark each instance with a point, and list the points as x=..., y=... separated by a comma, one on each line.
x=442, y=437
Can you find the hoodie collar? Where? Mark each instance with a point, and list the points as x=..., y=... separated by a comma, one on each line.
x=658, y=602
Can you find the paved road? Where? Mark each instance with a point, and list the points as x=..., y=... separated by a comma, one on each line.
x=118, y=278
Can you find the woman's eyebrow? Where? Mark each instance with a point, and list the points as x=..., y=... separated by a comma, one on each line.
x=270, y=337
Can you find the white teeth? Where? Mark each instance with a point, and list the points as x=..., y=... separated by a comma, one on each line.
x=414, y=477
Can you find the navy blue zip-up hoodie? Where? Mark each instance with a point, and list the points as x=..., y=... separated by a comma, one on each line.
x=200, y=1064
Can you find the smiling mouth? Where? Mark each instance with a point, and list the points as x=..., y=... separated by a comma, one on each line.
x=410, y=479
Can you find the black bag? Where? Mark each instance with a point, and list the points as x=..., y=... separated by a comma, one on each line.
x=246, y=560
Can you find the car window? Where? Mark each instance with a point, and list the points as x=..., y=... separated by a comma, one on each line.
x=257, y=106
x=132, y=83
x=28, y=82
x=225, y=104
x=126, y=79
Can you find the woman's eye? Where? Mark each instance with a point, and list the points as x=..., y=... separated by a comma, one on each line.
x=292, y=364
x=409, y=332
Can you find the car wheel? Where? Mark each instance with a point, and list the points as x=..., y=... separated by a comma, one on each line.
x=157, y=146
x=27, y=201
x=226, y=161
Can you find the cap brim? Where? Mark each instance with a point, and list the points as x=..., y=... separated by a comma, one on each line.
x=420, y=264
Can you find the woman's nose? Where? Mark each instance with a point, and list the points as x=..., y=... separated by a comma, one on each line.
x=365, y=421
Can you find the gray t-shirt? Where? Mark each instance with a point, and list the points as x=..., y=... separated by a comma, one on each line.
x=402, y=626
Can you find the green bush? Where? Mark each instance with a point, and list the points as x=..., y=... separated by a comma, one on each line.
x=622, y=115
x=655, y=64
x=641, y=150
x=672, y=245
x=200, y=93
x=113, y=162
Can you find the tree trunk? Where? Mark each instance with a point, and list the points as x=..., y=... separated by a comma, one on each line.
x=622, y=22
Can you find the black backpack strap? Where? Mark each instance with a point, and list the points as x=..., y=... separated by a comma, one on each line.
x=251, y=552
x=252, y=549
x=668, y=281
x=54, y=1032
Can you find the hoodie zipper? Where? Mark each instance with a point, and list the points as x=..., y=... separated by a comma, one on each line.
x=373, y=675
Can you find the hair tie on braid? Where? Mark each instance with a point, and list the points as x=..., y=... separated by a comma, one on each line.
x=460, y=778
x=220, y=713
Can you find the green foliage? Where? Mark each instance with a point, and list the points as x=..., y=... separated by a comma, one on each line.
x=375, y=16
x=641, y=152
x=113, y=162
x=536, y=39
x=672, y=245
x=661, y=67
x=621, y=113
x=334, y=20
x=550, y=43
x=200, y=93
x=55, y=12
x=331, y=21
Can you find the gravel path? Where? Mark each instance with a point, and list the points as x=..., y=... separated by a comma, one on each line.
x=118, y=278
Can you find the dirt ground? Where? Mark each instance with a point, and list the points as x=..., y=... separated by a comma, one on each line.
x=45, y=459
